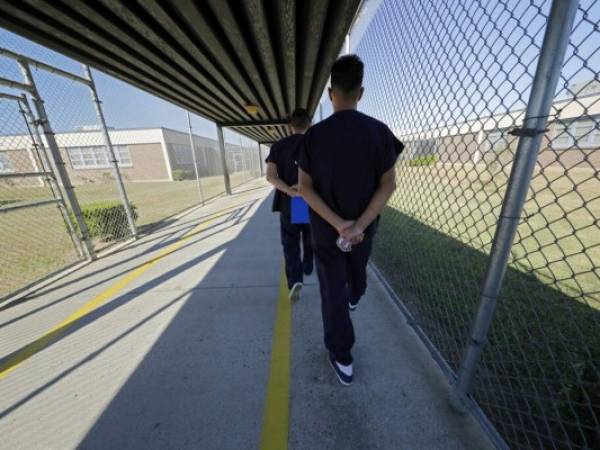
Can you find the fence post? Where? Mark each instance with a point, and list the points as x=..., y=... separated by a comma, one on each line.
x=200, y=191
x=111, y=150
x=223, y=159
x=552, y=53
x=260, y=160
x=59, y=164
x=50, y=179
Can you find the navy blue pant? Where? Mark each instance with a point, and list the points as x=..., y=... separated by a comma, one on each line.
x=342, y=276
x=291, y=236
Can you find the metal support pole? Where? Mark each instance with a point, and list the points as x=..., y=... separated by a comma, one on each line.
x=260, y=160
x=111, y=150
x=50, y=178
x=223, y=159
x=200, y=191
x=59, y=164
x=552, y=53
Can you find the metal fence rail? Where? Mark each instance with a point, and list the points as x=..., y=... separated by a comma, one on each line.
x=115, y=179
x=33, y=213
x=453, y=80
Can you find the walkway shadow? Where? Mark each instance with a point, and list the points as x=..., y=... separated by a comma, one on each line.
x=538, y=332
x=202, y=384
x=232, y=217
x=209, y=363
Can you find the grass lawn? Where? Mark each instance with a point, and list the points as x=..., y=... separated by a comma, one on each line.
x=541, y=361
x=34, y=241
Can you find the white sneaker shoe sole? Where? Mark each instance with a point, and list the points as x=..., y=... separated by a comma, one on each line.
x=295, y=292
x=340, y=379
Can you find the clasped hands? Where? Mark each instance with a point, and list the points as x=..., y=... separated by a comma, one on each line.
x=351, y=231
x=348, y=229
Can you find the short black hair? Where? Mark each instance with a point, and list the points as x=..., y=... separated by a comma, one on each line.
x=347, y=73
x=299, y=120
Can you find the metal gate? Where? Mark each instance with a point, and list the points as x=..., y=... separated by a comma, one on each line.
x=34, y=175
x=38, y=233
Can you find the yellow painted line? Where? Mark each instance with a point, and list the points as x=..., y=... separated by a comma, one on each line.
x=276, y=415
x=42, y=342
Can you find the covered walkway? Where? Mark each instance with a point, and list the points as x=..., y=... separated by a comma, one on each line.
x=182, y=340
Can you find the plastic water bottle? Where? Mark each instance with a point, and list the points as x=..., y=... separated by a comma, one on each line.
x=343, y=244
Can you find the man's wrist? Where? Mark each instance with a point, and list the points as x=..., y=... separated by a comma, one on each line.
x=361, y=225
x=339, y=224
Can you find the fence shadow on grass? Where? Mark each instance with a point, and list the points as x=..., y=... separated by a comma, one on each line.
x=542, y=356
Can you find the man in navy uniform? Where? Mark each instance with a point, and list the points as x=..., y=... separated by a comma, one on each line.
x=282, y=172
x=346, y=176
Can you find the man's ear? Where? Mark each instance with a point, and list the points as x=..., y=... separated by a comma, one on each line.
x=329, y=90
x=360, y=93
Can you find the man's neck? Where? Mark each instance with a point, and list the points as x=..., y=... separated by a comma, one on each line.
x=299, y=131
x=346, y=106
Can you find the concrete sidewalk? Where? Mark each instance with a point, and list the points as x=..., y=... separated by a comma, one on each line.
x=167, y=344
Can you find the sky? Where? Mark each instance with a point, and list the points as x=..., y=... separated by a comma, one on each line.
x=436, y=62
x=427, y=62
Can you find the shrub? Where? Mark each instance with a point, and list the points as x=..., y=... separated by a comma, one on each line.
x=106, y=220
x=428, y=160
x=181, y=174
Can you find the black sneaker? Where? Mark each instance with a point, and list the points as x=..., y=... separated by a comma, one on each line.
x=343, y=373
x=308, y=270
x=352, y=305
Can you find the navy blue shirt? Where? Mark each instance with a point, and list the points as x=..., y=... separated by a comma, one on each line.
x=284, y=154
x=346, y=155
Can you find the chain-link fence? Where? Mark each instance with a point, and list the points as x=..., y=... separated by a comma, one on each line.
x=122, y=177
x=87, y=157
x=452, y=79
x=242, y=161
x=37, y=237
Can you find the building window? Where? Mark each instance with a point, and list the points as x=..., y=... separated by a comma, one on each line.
x=6, y=165
x=582, y=133
x=96, y=157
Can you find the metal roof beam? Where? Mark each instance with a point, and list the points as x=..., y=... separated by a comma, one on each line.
x=106, y=30
x=205, y=38
x=258, y=123
x=259, y=25
x=313, y=19
x=337, y=26
x=215, y=58
x=227, y=20
x=113, y=60
x=287, y=45
x=171, y=49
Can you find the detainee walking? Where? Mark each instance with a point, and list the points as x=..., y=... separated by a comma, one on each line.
x=346, y=176
x=282, y=172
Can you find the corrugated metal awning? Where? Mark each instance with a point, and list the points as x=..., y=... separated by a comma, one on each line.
x=214, y=57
